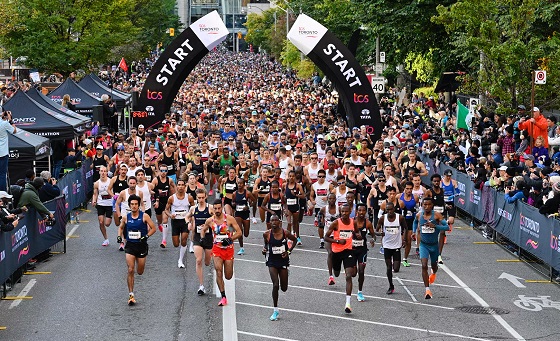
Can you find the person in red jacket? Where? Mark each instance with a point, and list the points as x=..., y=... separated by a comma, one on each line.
x=536, y=126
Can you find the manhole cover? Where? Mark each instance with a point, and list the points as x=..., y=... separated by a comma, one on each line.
x=482, y=310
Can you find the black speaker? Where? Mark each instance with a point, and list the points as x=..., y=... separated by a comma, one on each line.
x=98, y=114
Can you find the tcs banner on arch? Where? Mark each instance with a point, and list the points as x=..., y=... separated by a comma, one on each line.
x=340, y=66
x=174, y=65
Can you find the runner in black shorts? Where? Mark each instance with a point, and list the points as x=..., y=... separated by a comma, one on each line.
x=360, y=245
x=102, y=200
x=390, y=226
x=243, y=200
x=273, y=203
x=198, y=215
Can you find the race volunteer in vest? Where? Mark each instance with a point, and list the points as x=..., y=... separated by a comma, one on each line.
x=164, y=187
x=391, y=227
x=135, y=228
x=427, y=226
x=340, y=234
x=221, y=226
x=360, y=246
x=318, y=199
x=102, y=200
x=177, y=209
x=276, y=245
x=450, y=190
x=198, y=214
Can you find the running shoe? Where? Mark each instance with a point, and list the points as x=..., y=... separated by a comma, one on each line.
x=347, y=309
x=160, y=227
x=191, y=247
x=381, y=250
x=105, y=242
x=274, y=316
x=439, y=260
x=201, y=290
x=121, y=247
x=391, y=290
x=254, y=220
x=405, y=263
x=163, y=244
x=322, y=246
x=432, y=278
x=428, y=294
x=299, y=241
x=316, y=223
x=418, y=251
x=131, y=300
x=180, y=264
x=241, y=251
x=360, y=297
x=222, y=302
x=331, y=280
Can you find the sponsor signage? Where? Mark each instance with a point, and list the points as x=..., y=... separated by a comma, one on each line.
x=174, y=65
x=340, y=66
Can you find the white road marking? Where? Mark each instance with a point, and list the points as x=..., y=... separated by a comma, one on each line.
x=483, y=303
x=406, y=289
x=266, y=336
x=367, y=275
x=229, y=316
x=343, y=293
x=23, y=292
x=353, y=319
x=325, y=252
x=72, y=231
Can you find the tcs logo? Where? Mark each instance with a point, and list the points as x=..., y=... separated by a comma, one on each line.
x=361, y=98
x=154, y=95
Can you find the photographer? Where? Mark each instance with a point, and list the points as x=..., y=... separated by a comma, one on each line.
x=49, y=190
x=30, y=197
x=8, y=218
x=6, y=127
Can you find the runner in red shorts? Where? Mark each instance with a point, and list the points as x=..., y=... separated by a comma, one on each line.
x=221, y=226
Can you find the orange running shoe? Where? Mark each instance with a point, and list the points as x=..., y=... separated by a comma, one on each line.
x=428, y=294
x=432, y=278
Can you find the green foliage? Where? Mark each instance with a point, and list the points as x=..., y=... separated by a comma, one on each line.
x=428, y=91
x=422, y=65
x=65, y=35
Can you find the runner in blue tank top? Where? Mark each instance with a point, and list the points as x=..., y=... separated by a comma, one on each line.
x=450, y=190
x=408, y=205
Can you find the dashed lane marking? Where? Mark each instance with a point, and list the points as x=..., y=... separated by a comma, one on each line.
x=353, y=319
x=343, y=293
x=265, y=336
x=37, y=273
x=23, y=294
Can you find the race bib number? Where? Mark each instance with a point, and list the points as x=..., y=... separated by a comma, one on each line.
x=345, y=234
x=134, y=235
x=392, y=230
x=448, y=198
x=220, y=237
x=380, y=201
x=199, y=228
x=291, y=201
x=149, y=178
x=278, y=250
x=240, y=208
x=358, y=243
x=180, y=214
x=276, y=207
x=230, y=187
x=170, y=167
x=321, y=192
x=163, y=193
x=105, y=197
x=438, y=209
x=409, y=214
x=426, y=229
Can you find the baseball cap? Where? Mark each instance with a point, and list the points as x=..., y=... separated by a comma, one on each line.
x=448, y=172
x=536, y=109
x=87, y=141
x=120, y=147
x=386, y=150
x=288, y=147
x=529, y=157
x=503, y=168
x=100, y=147
x=4, y=194
x=299, y=145
x=140, y=126
x=331, y=162
x=320, y=136
x=367, y=164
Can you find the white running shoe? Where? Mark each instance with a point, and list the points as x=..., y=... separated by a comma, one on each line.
x=180, y=264
x=191, y=247
x=254, y=220
x=105, y=242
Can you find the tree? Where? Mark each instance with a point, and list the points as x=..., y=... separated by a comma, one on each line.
x=65, y=35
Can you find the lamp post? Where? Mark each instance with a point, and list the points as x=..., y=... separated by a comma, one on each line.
x=287, y=11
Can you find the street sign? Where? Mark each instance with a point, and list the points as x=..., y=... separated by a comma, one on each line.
x=378, y=84
x=540, y=77
x=378, y=68
x=382, y=57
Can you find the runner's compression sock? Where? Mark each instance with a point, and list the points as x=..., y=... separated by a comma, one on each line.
x=348, y=297
x=164, y=238
x=182, y=251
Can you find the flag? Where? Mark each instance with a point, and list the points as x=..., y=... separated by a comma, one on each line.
x=462, y=114
x=122, y=65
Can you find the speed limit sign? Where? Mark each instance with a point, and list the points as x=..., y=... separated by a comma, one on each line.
x=540, y=77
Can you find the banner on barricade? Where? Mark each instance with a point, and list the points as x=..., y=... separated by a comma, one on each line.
x=31, y=237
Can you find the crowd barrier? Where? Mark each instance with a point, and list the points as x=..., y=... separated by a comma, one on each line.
x=522, y=224
x=76, y=185
x=31, y=237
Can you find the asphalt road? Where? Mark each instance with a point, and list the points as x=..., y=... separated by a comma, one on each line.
x=84, y=296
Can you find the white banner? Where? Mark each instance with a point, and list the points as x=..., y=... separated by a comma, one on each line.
x=210, y=29
x=306, y=33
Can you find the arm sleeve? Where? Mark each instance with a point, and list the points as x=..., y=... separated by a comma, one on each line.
x=415, y=225
x=443, y=226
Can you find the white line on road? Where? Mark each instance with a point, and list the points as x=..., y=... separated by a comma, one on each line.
x=23, y=292
x=72, y=231
x=367, y=275
x=368, y=322
x=343, y=293
x=325, y=253
x=406, y=289
x=229, y=319
x=266, y=336
x=483, y=303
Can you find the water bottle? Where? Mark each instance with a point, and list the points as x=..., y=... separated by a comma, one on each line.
x=77, y=218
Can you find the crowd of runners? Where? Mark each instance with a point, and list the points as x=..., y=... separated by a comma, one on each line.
x=247, y=142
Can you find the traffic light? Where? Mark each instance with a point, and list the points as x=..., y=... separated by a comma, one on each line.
x=239, y=35
x=171, y=32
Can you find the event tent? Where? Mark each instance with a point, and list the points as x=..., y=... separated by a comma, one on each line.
x=81, y=98
x=24, y=149
x=98, y=89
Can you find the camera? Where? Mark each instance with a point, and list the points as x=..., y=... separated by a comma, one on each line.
x=50, y=222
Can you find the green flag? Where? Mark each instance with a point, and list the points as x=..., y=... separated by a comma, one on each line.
x=462, y=113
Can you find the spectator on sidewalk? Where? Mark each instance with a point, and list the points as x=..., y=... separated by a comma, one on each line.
x=30, y=197
x=49, y=190
x=535, y=126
